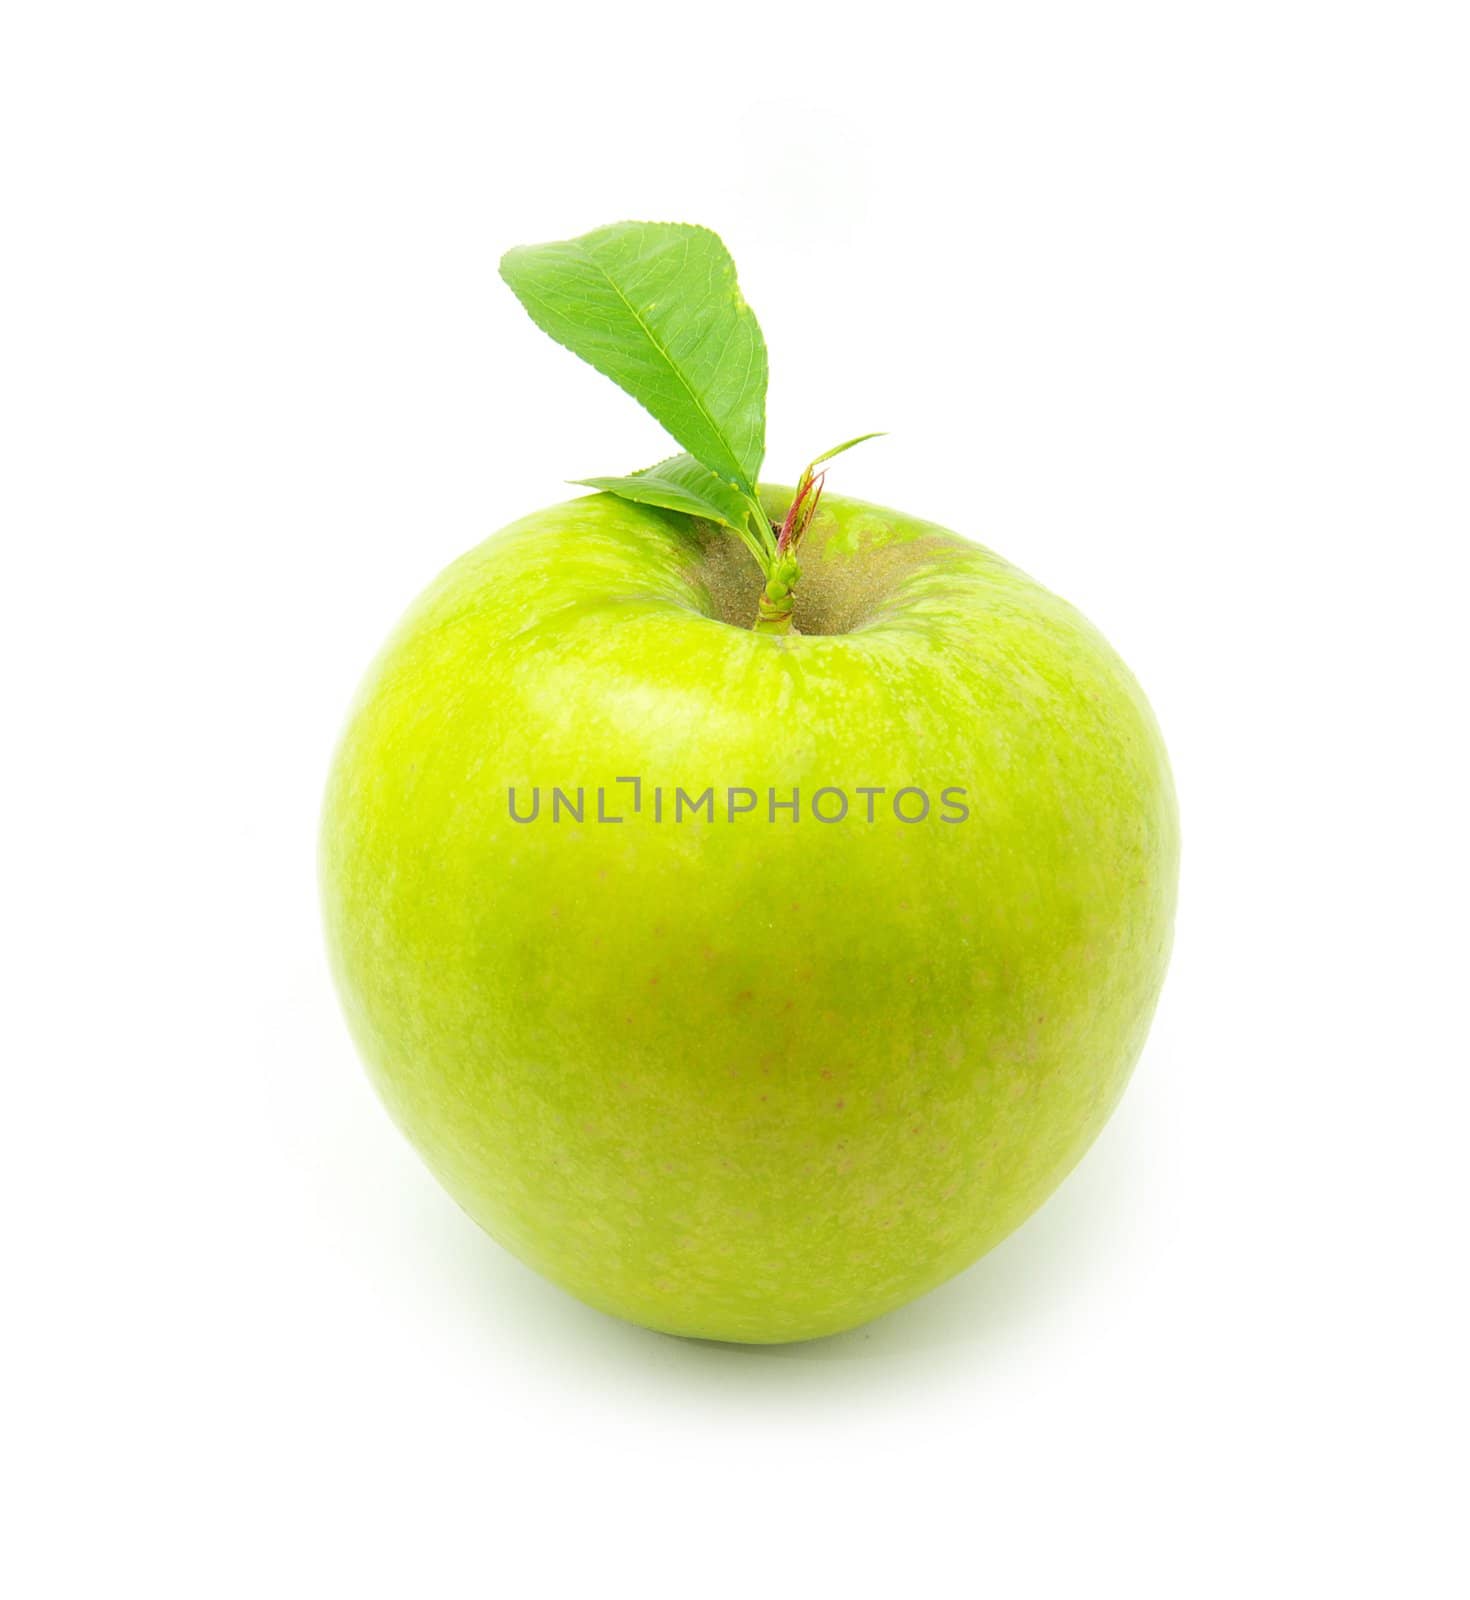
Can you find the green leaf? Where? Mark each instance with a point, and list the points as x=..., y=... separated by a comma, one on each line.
x=655, y=307
x=682, y=484
x=837, y=449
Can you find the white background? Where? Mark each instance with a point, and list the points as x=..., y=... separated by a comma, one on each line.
x=1168, y=303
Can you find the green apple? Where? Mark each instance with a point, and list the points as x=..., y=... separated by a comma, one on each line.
x=734, y=1065
x=750, y=905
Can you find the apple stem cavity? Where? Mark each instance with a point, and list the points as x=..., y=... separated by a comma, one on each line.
x=655, y=306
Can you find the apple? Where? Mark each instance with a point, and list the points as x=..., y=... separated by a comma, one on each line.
x=710, y=1055
x=750, y=905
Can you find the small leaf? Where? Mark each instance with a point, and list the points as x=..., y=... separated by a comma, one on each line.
x=682, y=484
x=808, y=496
x=655, y=307
x=679, y=484
x=837, y=449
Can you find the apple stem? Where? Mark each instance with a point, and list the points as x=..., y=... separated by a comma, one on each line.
x=778, y=598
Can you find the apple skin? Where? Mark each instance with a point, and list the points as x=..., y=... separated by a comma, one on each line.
x=752, y=1081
